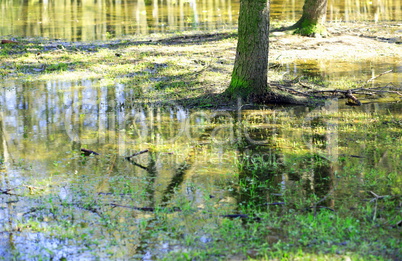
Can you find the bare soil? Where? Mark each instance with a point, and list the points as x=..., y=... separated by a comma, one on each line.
x=346, y=42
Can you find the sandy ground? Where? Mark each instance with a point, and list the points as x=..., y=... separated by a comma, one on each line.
x=361, y=42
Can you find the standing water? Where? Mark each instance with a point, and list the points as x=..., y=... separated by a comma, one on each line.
x=166, y=176
x=86, y=21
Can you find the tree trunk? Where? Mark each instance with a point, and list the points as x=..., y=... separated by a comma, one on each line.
x=312, y=21
x=249, y=76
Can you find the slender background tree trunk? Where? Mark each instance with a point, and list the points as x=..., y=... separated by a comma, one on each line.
x=249, y=74
x=313, y=19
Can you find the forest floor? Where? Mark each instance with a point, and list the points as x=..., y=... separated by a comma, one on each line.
x=193, y=69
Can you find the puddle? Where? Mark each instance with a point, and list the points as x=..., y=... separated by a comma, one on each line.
x=60, y=203
x=362, y=71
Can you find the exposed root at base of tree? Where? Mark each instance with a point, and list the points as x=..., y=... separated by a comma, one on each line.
x=317, y=31
x=281, y=97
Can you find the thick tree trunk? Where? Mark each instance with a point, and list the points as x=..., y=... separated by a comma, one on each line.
x=312, y=21
x=249, y=74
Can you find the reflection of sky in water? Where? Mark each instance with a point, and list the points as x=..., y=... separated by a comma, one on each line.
x=57, y=113
x=181, y=114
x=78, y=106
x=80, y=109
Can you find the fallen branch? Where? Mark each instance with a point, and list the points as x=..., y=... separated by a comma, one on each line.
x=86, y=152
x=7, y=192
x=8, y=42
x=375, y=199
x=342, y=93
x=137, y=153
x=136, y=164
x=176, y=209
x=373, y=91
x=304, y=85
x=375, y=77
x=134, y=208
x=334, y=93
x=149, y=209
x=315, y=205
x=241, y=216
x=283, y=88
x=32, y=188
x=352, y=100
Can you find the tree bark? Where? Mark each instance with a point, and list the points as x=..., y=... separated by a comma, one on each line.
x=313, y=19
x=250, y=70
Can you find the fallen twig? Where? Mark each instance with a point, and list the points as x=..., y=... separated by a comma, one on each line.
x=352, y=100
x=304, y=85
x=7, y=192
x=137, y=153
x=315, y=205
x=176, y=209
x=8, y=42
x=32, y=188
x=86, y=152
x=349, y=94
x=136, y=164
x=375, y=77
x=375, y=199
x=149, y=209
x=293, y=90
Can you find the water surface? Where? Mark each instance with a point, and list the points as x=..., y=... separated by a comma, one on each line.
x=203, y=156
x=87, y=21
x=56, y=203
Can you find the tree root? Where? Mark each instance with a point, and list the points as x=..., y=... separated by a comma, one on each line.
x=282, y=95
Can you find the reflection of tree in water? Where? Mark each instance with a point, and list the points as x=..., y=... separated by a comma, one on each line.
x=177, y=179
x=8, y=212
x=258, y=176
x=259, y=161
x=269, y=174
x=313, y=171
x=86, y=21
x=315, y=177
